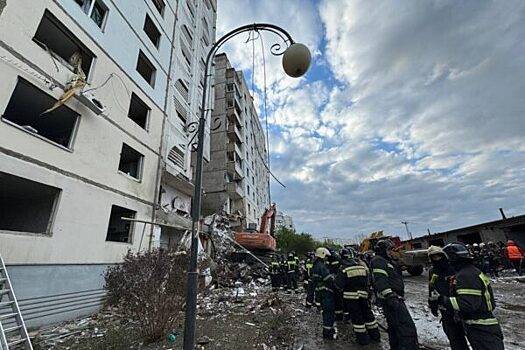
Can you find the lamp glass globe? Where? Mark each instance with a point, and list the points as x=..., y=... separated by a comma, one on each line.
x=296, y=60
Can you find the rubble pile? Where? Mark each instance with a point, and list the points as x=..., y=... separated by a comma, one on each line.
x=70, y=333
x=224, y=264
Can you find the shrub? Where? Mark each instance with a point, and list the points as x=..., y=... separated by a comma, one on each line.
x=149, y=288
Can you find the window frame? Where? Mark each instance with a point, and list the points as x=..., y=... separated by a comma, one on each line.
x=74, y=130
x=149, y=63
x=140, y=167
x=151, y=22
x=131, y=233
x=52, y=215
x=88, y=8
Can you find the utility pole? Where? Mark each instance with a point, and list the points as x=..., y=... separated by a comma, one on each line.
x=406, y=227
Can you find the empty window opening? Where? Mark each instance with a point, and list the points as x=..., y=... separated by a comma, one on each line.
x=120, y=230
x=160, y=5
x=151, y=31
x=25, y=109
x=54, y=37
x=130, y=162
x=176, y=156
x=146, y=69
x=25, y=205
x=139, y=111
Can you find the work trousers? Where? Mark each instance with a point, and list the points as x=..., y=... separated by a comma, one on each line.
x=284, y=279
x=310, y=294
x=275, y=278
x=483, y=337
x=402, y=334
x=292, y=280
x=454, y=331
x=364, y=323
x=339, y=305
x=518, y=264
x=328, y=306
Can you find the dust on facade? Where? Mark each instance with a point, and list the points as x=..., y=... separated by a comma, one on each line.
x=118, y=147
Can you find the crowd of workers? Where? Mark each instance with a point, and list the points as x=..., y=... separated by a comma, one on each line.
x=345, y=285
x=491, y=257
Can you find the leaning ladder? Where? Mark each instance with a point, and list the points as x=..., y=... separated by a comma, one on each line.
x=13, y=331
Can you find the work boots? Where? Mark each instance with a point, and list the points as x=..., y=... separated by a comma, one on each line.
x=329, y=334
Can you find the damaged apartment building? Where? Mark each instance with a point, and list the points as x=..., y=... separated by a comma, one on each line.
x=235, y=179
x=95, y=104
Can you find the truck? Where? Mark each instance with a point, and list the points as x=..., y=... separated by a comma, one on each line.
x=410, y=260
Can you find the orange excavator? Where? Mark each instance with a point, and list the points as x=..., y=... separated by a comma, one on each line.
x=262, y=240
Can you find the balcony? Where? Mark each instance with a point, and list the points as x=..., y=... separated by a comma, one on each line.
x=234, y=133
x=234, y=116
x=235, y=147
x=235, y=189
x=235, y=168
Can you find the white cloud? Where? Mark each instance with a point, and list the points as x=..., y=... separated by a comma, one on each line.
x=426, y=122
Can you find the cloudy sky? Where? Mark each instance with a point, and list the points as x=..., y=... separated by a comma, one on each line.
x=412, y=110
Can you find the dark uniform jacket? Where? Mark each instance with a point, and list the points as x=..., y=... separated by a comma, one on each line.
x=387, y=277
x=333, y=264
x=439, y=280
x=308, y=266
x=292, y=265
x=322, y=279
x=352, y=278
x=275, y=267
x=472, y=297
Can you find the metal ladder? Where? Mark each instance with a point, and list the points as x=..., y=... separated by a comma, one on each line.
x=13, y=331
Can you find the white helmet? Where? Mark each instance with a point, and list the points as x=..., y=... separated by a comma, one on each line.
x=475, y=245
x=482, y=244
x=322, y=252
x=434, y=250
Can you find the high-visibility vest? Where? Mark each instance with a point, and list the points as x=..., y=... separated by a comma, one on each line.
x=514, y=252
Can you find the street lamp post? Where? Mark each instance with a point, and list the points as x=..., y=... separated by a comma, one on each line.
x=296, y=61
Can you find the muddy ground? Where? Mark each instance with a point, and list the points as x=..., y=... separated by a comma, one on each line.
x=256, y=318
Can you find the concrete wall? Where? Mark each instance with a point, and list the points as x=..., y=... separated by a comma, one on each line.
x=87, y=173
x=254, y=201
x=44, y=298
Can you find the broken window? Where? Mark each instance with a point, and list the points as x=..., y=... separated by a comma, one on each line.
x=25, y=109
x=146, y=69
x=55, y=38
x=160, y=5
x=139, y=111
x=25, y=205
x=130, y=162
x=120, y=230
x=151, y=31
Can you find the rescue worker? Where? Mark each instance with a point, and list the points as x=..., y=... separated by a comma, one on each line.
x=390, y=289
x=275, y=273
x=354, y=281
x=333, y=266
x=472, y=297
x=292, y=268
x=284, y=275
x=308, y=266
x=515, y=255
x=323, y=283
x=440, y=275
